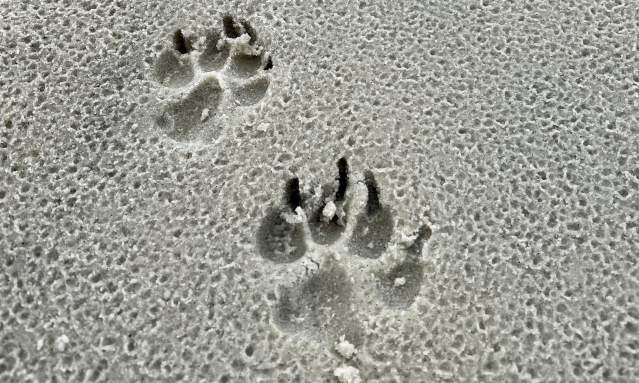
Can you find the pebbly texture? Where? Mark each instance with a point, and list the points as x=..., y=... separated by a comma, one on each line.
x=145, y=233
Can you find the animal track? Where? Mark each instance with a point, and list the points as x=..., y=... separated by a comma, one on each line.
x=200, y=75
x=323, y=302
x=316, y=222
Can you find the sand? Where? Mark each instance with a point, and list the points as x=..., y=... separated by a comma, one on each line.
x=315, y=191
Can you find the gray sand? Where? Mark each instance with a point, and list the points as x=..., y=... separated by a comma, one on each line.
x=486, y=228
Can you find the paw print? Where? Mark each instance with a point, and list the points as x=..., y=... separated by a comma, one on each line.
x=202, y=75
x=317, y=224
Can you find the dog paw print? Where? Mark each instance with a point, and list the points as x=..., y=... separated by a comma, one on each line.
x=321, y=222
x=202, y=74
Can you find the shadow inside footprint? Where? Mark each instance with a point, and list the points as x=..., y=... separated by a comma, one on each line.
x=372, y=234
x=401, y=285
x=244, y=66
x=192, y=110
x=278, y=240
x=252, y=92
x=326, y=224
x=213, y=58
x=172, y=71
x=374, y=227
x=325, y=233
x=320, y=303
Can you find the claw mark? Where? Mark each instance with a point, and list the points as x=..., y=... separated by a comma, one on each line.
x=373, y=206
x=342, y=166
x=269, y=64
x=423, y=234
x=293, y=195
x=248, y=28
x=231, y=29
x=180, y=43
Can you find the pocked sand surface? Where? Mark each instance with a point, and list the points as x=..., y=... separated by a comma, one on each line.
x=326, y=191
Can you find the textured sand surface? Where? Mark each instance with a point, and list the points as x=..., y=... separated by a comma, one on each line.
x=172, y=208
